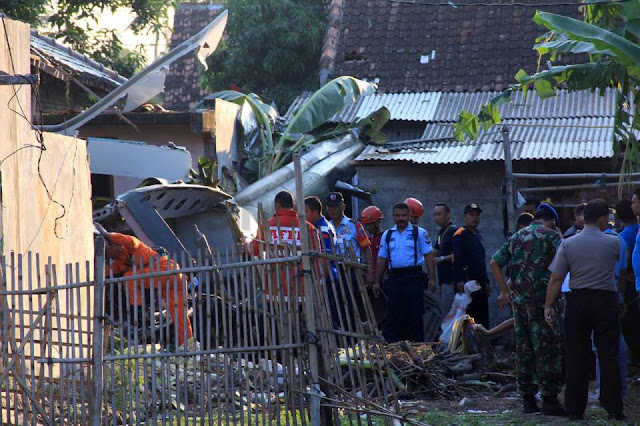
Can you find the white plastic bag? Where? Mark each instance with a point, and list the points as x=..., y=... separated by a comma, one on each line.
x=458, y=309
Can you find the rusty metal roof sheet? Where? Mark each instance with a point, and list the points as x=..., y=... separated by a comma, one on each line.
x=546, y=139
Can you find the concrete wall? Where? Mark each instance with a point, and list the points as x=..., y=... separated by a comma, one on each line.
x=455, y=185
x=45, y=208
x=28, y=212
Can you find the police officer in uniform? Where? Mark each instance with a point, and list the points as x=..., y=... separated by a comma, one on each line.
x=469, y=263
x=349, y=236
x=348, y=232
x=403, y=252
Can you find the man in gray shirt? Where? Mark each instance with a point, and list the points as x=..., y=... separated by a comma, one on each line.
x=592, y=307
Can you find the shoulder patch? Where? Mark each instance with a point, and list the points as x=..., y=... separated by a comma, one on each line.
x=459, y=231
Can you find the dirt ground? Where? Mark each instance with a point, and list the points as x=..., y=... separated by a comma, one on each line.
x=507, y=410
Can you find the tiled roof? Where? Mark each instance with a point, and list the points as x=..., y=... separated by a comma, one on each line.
x=412, y=47
x=546, y=139
x=51, y=55
x=182, y=86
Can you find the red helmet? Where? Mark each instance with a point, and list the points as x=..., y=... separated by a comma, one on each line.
x=415, y=207
x=370, y=215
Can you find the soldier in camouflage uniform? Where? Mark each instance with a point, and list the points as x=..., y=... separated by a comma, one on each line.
x=538, y=360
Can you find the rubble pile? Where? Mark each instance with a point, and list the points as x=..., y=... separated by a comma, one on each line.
x=469, y=365
x=424, y=373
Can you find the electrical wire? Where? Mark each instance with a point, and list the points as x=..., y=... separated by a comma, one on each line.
x=506, y=4
x=38, y=131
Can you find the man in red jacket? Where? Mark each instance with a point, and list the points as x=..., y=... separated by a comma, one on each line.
x=284, y=228
x=127, y=251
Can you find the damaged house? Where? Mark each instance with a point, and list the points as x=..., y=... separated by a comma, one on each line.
x=431, y=62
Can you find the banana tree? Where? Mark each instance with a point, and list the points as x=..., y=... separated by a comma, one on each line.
x=278, y=146
x=610, y=36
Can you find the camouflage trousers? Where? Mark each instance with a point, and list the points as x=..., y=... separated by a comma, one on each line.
x=538, y=351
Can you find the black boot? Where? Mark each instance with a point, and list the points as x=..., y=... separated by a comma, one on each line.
x=619, y=416
x=551, y=407
x=529, y=404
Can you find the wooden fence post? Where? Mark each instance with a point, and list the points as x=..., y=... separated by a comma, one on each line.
x=98, y=319
x=508, y=167
x=314, y=409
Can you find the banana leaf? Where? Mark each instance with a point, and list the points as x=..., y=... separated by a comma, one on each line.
x=622, y=49
x=265, y=114
x=323, y=104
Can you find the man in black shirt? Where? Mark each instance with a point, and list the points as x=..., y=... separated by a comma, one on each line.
x=578, y=224
x=443, y=256
x=469, y=263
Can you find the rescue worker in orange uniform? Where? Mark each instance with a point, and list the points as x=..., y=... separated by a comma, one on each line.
x=416, y=210
x=370, y=219
x=127, y=251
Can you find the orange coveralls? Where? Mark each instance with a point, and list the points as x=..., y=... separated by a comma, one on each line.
x=133, y=251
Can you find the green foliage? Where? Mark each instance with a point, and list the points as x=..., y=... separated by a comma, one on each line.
x=305, y=127
x=72, y=20
x=207, y=173
x=610, y=36
x=27, y=11
x=272, y=48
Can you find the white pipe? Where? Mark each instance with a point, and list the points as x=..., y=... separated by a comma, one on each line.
x=317, y=178
x=277, y=179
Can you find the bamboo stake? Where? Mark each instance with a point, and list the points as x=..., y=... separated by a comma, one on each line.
x=314, y=410
x=98, y=310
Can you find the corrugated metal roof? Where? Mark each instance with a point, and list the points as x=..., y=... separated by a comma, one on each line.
x=437, y=106
x=547, y=129
x=565, y=104
x=546, y=139
x=403, y=106
x=342, y=116
x=73, y=61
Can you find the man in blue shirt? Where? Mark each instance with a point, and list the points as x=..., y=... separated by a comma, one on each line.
x=629, y=231
x=635, y=206
x=313, y=210
x=348, y=232
x=403, y=252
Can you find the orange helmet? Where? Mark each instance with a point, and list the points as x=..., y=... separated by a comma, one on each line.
x=370, y=215
x=415, y=207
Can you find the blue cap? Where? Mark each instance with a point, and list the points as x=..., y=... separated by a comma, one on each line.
x=550, y=209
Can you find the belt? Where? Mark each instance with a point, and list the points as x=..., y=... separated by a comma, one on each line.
x=591, y=291
x=405, y=271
